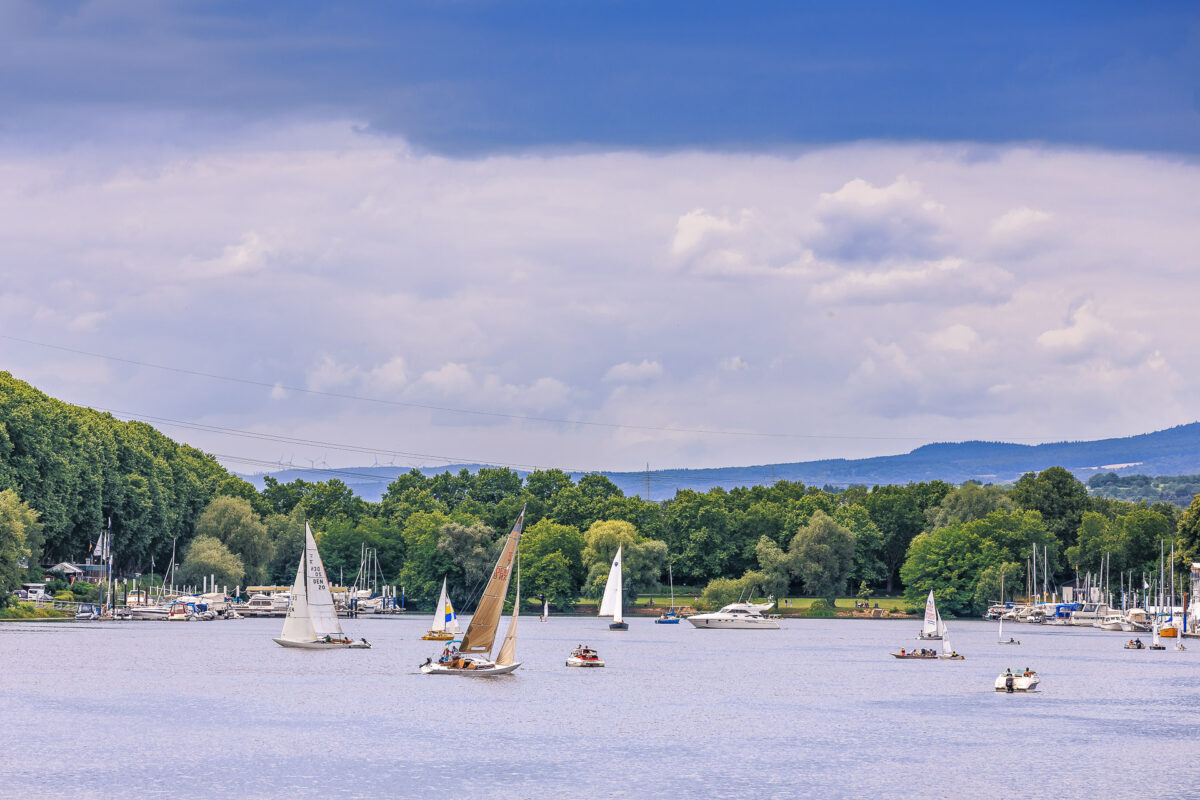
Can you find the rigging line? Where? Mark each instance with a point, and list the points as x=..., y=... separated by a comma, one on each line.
x=475, y=412
x=263, y=436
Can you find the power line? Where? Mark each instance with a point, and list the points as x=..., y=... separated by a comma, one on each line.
x=468, y=411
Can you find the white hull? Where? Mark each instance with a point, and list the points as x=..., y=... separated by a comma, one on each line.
x=1020, y=683
x=579, y=662
x=931, y=637
x=739, y=623
x=485, y=669
x=359, y=645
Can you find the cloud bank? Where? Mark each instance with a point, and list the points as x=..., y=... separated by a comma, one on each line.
x=891, y=294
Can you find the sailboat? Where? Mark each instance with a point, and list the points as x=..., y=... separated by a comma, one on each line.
x=932, y=627
x=669, y=618
x=1155, y=644
x=610, y=606
x=473, y=656
x=312, y=622
x=1000, y=633
x=948, y=653
x=445, y=621
x=545, y=610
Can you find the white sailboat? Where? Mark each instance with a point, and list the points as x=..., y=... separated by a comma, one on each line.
x=610, y=606
x=948, y=653
x=312, y=621
x=545, y=610
x=931, y=630
x=445, y=621
x=474, y=656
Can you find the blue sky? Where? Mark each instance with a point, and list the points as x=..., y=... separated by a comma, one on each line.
x=680, y=234
x=476, y=78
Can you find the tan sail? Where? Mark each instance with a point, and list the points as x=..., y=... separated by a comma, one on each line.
x=508, y=650
x=481, y=633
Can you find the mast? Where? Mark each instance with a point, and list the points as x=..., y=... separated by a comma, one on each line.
x=481, y=633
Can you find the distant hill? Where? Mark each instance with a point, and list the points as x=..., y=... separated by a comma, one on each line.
x=1175, y=451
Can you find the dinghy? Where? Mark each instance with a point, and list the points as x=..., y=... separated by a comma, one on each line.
x=473, y=657
x=932, y=629
x=610, y=606
x=445, y=621
x=312, y=622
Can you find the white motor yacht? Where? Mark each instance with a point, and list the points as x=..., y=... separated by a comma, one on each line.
x=1110, y=622
x=746, y=616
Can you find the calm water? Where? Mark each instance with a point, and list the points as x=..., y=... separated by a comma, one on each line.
x=818, y=709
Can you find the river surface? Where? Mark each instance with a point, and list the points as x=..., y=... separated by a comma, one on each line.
x=818, y=709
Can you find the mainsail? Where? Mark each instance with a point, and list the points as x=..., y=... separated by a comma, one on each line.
x=509, y=648
x=311, y=614
x=610, y=606
x=444, y=618
x=481, y=633
x=930, y=628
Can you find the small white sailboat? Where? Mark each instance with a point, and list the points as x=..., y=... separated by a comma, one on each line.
x=312, y=621
x=949, y=653
x=931, y=629
x=610, y=606
x=474, y=656
x=670, y=617
x=545, y=617
x=445, y=621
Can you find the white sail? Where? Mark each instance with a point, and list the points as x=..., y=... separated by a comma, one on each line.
x=509, y=647
x=311, y=614
x=1000, y=635
x=931, y=617
x=297, y=627
x=941, y=626
x=946, y=650
x=439, y=611
x=545, y=609
x=610, y=606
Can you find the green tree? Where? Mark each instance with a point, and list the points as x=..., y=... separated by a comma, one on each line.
x=286, y=532
x=644, y=559
x=969, y=502
x=545, y=538
x=899, y=513
x=869, y=566
x=208, y=556
x=232, y=521
x=1058, y=496
x=18, y=524
x=822, y=556
x=472, y=549
x=950, y=560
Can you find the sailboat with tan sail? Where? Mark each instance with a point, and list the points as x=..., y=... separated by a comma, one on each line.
x=473, y=656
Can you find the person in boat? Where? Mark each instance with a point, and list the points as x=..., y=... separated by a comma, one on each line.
x=902, y=651
x=1028, y=672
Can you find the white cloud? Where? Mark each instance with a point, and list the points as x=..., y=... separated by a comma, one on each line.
x=957, y=338
x=628, y=372
x=854, y=279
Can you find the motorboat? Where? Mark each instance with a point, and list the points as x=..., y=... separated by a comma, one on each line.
x=1009, y=681
x=87, y=611
x=312, y=621
x=919, y=655
x=1135, y=621
x=182, y=611
x=473, y=655
x=742, y=616
x=584, y=656
x=1089, y=613
x=1111, y=622
x=1135, y=644
x=260, y=604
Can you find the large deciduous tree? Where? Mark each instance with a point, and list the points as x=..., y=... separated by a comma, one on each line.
x=232, y=520
x=208, y=556
x=822, y=556
x=18, y=526
x=644, y=559
x=1058, y=496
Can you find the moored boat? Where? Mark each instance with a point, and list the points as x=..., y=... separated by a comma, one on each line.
x=744, y=616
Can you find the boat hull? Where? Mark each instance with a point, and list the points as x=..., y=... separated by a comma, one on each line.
x=915, y=657
x=1021, y=683
x=618, y=626
x=359, y=645
x=582, y=662
x=930, y=637
x=485, y=670
x=439, y=636
x=749, y=624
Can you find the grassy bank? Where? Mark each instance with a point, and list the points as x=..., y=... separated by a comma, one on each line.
x=27, y=611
